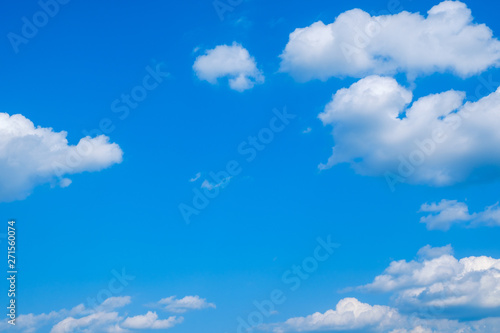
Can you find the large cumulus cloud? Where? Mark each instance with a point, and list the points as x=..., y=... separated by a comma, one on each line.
x=437, y=140
x=435, y=293
x=358, y=44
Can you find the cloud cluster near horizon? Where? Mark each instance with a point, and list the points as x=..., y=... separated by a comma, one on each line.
x=442, y=215
x=106, y=317
x=438, y=279
x=350, y=314
x=433, y=293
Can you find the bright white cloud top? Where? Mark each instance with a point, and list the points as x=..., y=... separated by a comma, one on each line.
x=437, y=280
x=31, y=156
x=229, y=61
x=438, y=140
x=358, y=44
x=424, y=291
x=349, y=314
x=442, y=215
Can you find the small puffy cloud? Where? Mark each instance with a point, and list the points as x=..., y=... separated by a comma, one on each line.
x=444, y=282
x=32, y=156
x=446, y=213
x=429, y=252
x=439, y=140
x=229, y=61
x=358, y=44
x=65, y=182
x=187, y=303
x=150, y=321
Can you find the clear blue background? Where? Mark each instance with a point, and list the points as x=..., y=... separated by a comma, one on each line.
x=264, y=221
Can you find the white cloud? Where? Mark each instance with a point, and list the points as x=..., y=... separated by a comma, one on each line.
x=112, y=303
x=352, y=315
x=439, y=140
x=446, y=213
x=418, y=329
x=349, y=314
x=184, y=304
x=31, y=156
x=29, y=323
x=65, y=182
x=229, y=61
x=357, y=44
x=489, y=325
x=96, y=322
x=150, y=321
x=103, y=318
x=433, y=294
x=111, y=322
x=442, y=282
x=429, y=252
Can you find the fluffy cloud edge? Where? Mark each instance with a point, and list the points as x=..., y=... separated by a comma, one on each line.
x=447, y=213
x=187, y=303
x=439, y=281
x=352, y=315
x=357, y=44
x=108, y=316
x=232, y=62
x=31, y=156
x=436, y=140
x=150, y=321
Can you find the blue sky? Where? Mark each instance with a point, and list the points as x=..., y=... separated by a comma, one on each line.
x=121, y=212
